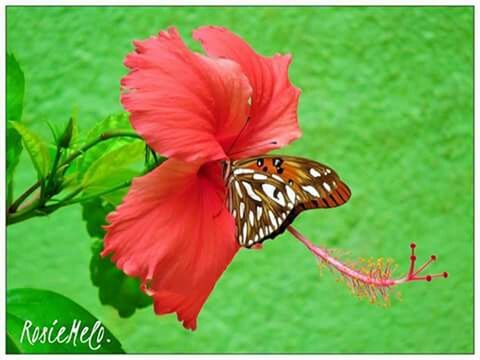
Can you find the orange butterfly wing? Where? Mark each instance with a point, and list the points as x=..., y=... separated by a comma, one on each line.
x=275, y=189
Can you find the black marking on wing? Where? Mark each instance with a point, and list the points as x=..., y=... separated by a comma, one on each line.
x=315, y=186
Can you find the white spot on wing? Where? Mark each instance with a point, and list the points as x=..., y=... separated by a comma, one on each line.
x=311, y=190
x=259, y=212
x=258, y=176
x=291, y=194
x=241, y=171
x=270, y=191
x=314, y=173
x=234, y=213
x=237, y=187
x=250, y=191
x=327, y=187
x=251, y=217
x=281, y=199
x=260, y=232
x=272, y=218
x=244, y=233
x=242, y=209
x=276, y=177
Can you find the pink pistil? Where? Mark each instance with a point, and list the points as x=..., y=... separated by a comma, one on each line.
x=376, y=278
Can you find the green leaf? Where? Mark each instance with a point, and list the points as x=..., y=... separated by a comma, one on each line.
x=15, y=94
x=75, y=133
x=114, y=168
x=118, y=121
x=115, y=197
x=54, y=130
x=15, y=89
x=14, y=149
x=36, y=147
x=114, y=287
x=28, y=309
x=112, y=122
x=94, y=213
x=66, y=138
x=14, y=326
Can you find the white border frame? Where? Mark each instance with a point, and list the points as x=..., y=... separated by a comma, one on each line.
x=231, y=3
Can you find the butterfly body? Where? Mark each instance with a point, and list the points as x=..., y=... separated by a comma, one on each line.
x=266, y=193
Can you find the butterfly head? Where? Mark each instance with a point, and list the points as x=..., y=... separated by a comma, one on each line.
x=267, y=192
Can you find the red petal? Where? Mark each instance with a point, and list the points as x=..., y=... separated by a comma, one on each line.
x=273, y=114
x=184, y=104
x=175, y=233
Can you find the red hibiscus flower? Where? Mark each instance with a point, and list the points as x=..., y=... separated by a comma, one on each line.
x=173, y=229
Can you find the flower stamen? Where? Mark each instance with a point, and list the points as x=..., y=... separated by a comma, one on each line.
x=412, y=274
x=374, y=278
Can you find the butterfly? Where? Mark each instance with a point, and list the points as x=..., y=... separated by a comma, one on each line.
x=266, y=193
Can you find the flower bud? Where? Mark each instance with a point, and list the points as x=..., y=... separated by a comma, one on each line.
x=66, y=138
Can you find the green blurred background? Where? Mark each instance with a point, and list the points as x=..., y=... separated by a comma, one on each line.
x=386, y=101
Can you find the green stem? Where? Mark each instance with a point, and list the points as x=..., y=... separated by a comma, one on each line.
x=9, y=192
x=105, y=136
x=69, y=197
x=25, y=213
x=13, y=208
x=91, y=197
x=33, y=209
x=14, y=215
